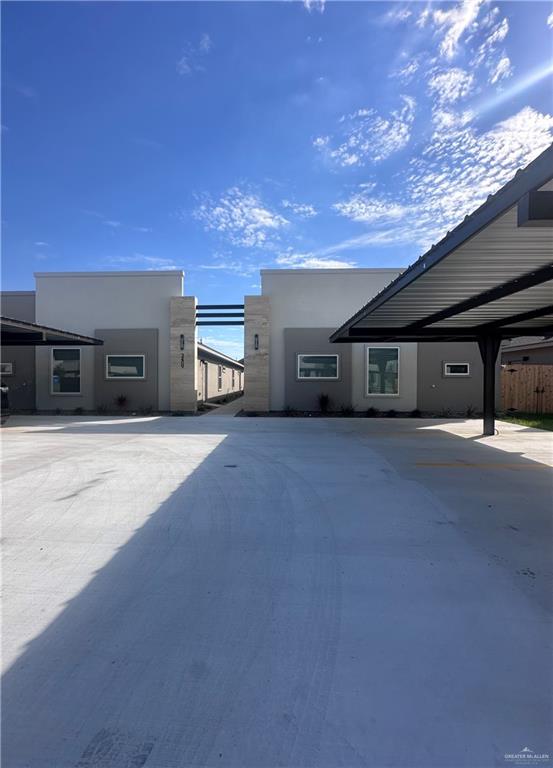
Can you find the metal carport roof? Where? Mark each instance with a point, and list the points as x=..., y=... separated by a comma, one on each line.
x=20, y=333
x=488, y=279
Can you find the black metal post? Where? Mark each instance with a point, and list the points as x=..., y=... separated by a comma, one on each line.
x=489, y=347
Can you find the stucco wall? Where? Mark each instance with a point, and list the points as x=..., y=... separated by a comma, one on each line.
x=20, y=305
x=302, y=394
x=82, y=302
x=319, y=298
x=140, y=393
x=438, y=392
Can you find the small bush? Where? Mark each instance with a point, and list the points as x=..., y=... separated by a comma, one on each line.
x=391, y=414
x=78, y=411
x=147, y=410
x=415, y=413
x=372, y=413
x=445, y=413
x=289, y=411
x=324, y=402
x=347, y=410
x=121, y=401
x=470, y=413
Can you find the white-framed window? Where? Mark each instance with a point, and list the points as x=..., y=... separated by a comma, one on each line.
x=7, y=369
x=383, y=371
x=219, y=377
x=456, y=369
x=233, y=377
x=125, y=366
x=65, y=376
x=326, y=367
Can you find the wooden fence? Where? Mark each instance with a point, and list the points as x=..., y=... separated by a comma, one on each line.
x=527, y=388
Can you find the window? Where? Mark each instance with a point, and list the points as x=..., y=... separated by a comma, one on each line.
x=456, y=369
x=233, y=377
x=6, y=369
x=66, y=371
x=125, y=367
x=318, y=366
x=383, y=370
x=219, y=377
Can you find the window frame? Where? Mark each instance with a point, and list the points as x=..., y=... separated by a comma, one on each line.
x=124, y=378
x=233, y=378
x=65, y=394
x=382, y=394
x=448, y=375
x=10, y=372
x=219, y=378
x=299, y=355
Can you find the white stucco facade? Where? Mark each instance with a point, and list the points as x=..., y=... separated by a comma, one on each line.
x=86, y=301
x=325, y=298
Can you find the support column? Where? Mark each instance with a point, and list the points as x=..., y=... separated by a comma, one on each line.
x=183, y=355
x=489, y=347
x=256, y=353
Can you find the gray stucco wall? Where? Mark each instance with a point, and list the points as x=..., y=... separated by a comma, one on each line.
x=302, y=394
x=22, y=393
x=536, y=356
x=140, y=393
x=437, y=392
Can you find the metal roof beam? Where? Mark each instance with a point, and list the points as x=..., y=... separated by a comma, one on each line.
x=518, y=318
x=486, y=297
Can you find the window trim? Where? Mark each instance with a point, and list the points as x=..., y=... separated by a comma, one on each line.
x=124, y=378
x=219, y=378
x=10, y=372
x=455, y=375
x=65, y=394
x=382, y=394
x=299, y=355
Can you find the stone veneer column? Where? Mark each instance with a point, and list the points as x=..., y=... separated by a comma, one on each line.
x=183, y=355
x=256, y=361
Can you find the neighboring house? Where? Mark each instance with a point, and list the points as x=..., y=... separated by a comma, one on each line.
x=294, y=360
x=528, y=350
x=131, y=312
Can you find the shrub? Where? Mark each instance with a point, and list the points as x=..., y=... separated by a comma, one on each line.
x=470, y=413
x=391, y=414
x=101, y=410
x=371, y=412
x=347, y=410
x=121, y=401
x=415, y=413
x=147, y=410
x=78, y=411
x=324, y=402
x=445, y=413
x=289, y=411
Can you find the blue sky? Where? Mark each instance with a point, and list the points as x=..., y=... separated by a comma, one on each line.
x=224, y=137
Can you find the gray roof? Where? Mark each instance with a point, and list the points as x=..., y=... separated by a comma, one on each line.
x=22, y=333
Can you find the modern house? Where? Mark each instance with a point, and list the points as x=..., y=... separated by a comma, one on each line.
x=292, y=361
x=132, y=314
x=528, y=350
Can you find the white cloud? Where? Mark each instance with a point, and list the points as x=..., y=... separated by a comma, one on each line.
x=365, y=209
x=366, y=136
x=112, y=223
x=312, y=261
x=314, y=5
x=150, y=262
x=396, y=15
x=41, y=244
x=191, y=58
x=406, y=73
x=452, y=24
x=494, y=38
x=303, y=210
x=143, y=229
x=242, y=268
x=550, y=20
x=502, y=69
x=451, y=85
x=242, y=217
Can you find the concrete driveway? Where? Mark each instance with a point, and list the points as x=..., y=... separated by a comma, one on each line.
x=275, y=592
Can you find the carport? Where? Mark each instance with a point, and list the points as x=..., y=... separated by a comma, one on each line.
x=489, y=279
x=19, y=333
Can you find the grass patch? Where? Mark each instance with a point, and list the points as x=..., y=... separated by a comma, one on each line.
x=535, y=420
